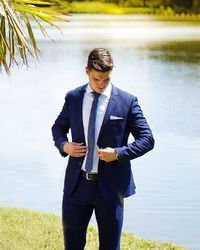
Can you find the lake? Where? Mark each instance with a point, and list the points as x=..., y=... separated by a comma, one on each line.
x=156, y=61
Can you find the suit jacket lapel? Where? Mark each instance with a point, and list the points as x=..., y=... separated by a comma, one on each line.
x=110, y=108
x=80, y=111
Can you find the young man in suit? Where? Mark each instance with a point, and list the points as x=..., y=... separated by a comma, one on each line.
x=98, y=175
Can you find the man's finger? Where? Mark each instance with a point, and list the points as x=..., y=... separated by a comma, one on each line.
x=80, y=147
x=77, y=143
x=79, y=155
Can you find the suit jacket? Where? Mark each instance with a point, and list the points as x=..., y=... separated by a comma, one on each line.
x=123, y=116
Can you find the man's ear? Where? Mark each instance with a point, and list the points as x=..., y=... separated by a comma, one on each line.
x=87, y=70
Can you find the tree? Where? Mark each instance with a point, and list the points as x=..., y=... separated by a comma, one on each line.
x=195, y=4
x=14, y=39
x=164, y=3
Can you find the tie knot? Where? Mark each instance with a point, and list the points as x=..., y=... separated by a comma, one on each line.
x=96, y=95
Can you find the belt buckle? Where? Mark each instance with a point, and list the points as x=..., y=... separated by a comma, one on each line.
x=87, y=176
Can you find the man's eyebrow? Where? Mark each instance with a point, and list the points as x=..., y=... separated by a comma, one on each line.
x=107, y=79
x=99, y=78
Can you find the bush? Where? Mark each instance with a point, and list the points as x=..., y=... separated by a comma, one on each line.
x=165, y=12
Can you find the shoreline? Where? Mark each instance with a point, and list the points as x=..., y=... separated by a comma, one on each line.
x=97, y=7
x=134, y=17
x=28, y=229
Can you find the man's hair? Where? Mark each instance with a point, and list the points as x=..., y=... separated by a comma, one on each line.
x=100, y=59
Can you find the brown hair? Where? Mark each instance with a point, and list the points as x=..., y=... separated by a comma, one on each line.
x=100, y=59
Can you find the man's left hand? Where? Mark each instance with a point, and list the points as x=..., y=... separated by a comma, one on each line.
x=107, y=154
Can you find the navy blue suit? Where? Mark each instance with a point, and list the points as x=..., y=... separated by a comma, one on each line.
x=115, y=180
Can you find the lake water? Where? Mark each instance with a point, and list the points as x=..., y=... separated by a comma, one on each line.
x=156, y=61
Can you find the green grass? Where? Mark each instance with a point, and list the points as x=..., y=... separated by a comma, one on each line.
x=22, y=229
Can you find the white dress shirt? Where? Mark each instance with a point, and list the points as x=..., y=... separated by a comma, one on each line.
x=101, y=110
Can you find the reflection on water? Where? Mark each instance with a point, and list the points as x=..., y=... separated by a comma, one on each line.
x=176, y=51
x=156, y=61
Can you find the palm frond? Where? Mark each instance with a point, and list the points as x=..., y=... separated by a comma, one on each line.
x=14, y=40
x=34, y=2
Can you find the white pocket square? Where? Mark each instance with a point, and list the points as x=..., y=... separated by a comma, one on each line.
x=112, y=117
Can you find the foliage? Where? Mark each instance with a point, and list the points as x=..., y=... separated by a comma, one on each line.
x=149, y=3
x=14, y=38
x=160, y=7
x=99, y=7
x=22, y=229
x=93, y=8
x=165, y=11
x=105, y=8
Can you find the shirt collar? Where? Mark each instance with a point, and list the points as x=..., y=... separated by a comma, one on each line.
x=106, y=92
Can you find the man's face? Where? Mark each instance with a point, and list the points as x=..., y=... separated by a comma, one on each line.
x=98, y=80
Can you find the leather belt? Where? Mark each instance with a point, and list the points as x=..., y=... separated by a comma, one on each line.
x=89, y=176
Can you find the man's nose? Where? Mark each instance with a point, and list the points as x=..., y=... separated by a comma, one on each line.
x=101, y=82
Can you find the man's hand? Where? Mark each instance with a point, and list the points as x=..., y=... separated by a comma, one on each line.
x=107, y=154
x=75, y=149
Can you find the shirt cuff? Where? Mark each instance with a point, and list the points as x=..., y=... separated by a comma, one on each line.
x=62, y=146
x=117, y=153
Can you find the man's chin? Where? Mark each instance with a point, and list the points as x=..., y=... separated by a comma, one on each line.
x=100, y=90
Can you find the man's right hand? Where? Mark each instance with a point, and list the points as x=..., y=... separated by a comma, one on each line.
x=75, y=149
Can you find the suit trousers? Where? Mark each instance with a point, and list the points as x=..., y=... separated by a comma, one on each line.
x=77, y=210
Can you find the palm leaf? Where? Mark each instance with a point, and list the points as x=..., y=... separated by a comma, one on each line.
x=34, y=2
x=13, y=38
x=41, y=27
x=31, y=35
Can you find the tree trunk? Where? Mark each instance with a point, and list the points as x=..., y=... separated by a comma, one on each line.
x=164, y=3
x=144, y=3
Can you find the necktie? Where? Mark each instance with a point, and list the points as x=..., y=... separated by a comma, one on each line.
x=91, y=133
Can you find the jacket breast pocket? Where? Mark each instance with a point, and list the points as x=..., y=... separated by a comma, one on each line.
x=117, y=126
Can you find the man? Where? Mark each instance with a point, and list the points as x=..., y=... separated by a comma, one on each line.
x=98, y=176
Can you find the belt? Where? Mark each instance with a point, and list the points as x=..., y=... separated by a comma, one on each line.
x=89, y=176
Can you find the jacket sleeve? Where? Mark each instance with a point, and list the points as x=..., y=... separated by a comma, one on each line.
x=139, y=128
x=61, y=128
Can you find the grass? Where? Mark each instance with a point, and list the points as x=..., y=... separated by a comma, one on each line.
x=22, y=229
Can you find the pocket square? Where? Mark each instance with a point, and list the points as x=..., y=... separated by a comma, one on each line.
x=112, y=117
